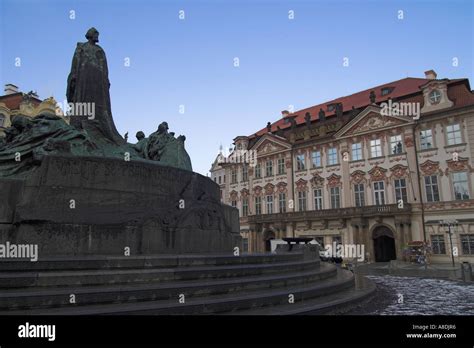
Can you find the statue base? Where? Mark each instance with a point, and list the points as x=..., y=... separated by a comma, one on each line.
x=75, y=205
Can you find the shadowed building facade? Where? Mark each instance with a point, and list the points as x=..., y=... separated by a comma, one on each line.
x=14, y=102
x=380, y=167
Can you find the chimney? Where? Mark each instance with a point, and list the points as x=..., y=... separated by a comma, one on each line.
x=285, y=113
x=11, y=89
x=430, y=74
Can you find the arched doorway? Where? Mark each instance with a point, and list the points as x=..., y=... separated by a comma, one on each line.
x=384, y=244
x=267, y=237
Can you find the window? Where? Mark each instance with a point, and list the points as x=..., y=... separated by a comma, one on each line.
x=461, y=186
x=233, y=176
x=245, y=173
x=379, y=193
x=269, y=168
x=435, y=97
x=258, y=205
x=258, y=171
x=331, y=107
x=234, y=204
x=467, y=244
x=431, y=187
x=426, y=139
x=215, y=179
x=316, y=158
x=359, y=195
x=224, y=178
x=302, y=200
x=245, y=207
x=401, y=190
x=356, y=151
x=2, y=120
x=437, y=244
x=387, y=90
x=375, y=148
x=282, y=202
x=454, y=134
x=269, y=204
x=332, y=156
x=300, y=162
x=281, y=166
x=396, y=144
x=318, y=199
x=335, y=198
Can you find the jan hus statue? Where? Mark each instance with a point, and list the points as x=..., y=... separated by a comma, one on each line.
x=88, y=82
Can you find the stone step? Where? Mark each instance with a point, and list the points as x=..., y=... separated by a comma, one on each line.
x=141, y=261
x=119, y=276
x=336, y=303
x=55, y=297
x=210, y=304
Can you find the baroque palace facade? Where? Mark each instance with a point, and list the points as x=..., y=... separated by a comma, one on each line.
x=381, y=168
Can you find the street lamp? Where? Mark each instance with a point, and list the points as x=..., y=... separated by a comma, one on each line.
x=449, y=224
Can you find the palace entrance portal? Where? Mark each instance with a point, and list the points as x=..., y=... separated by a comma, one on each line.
x=384, y=244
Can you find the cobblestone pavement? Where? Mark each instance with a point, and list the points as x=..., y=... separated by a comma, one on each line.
x=419, y=296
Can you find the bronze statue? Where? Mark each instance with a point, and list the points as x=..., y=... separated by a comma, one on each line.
x=142, y=144
x=162, y=146
x=88, y=82
x=48, y=134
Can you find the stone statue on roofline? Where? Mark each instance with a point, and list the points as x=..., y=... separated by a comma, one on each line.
x=307, y=118
x=322, y=115
x=372, y=97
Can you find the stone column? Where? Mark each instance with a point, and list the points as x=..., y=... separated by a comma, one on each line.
x=367, y=240
x=290, y=168
x=253, y=232
x=399, y=239
x=355, y=233
x=251, y=208
x=409, y=139
x=407, y=232
x=346, y=189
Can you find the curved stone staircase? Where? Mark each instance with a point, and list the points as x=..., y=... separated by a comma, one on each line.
x=147, y=285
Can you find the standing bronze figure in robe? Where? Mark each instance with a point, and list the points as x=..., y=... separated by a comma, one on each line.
x=88, y=82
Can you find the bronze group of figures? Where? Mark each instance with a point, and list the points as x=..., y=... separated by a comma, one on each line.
x=28, y=139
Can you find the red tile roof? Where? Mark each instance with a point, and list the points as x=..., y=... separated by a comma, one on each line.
x=13, y=101
x=401, y=88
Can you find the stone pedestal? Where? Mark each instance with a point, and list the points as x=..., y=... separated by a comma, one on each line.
x=90, y=205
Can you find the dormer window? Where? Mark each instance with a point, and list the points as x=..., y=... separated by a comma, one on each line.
x=435, y=96
x=331, y=107
x=387, y=90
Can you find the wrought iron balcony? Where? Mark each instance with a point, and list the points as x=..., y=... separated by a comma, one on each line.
x=367, y=211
